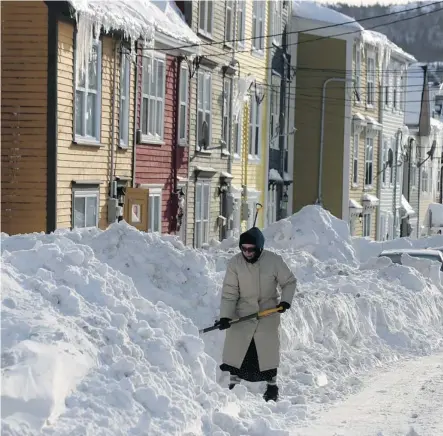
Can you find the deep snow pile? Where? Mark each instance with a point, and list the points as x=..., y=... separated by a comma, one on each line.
x=100, y=331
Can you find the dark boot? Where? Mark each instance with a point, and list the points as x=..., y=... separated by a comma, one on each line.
x=271, y=393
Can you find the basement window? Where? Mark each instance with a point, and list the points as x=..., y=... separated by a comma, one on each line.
x=85, y=206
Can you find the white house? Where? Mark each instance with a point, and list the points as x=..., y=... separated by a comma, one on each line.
x=393, y=62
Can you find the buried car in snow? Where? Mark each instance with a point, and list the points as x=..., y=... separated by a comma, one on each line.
x=425, y=253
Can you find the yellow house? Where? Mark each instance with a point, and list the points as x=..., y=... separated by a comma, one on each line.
x=250, y=114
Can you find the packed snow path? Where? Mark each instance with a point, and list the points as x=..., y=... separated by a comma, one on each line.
x=405, y=400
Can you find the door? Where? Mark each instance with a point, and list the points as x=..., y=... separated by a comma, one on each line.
x=136, y=208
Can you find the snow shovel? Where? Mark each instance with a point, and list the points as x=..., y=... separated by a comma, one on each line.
x=256, y=315
x=257, y=208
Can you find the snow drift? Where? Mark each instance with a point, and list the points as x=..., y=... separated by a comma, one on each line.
x=100, y=329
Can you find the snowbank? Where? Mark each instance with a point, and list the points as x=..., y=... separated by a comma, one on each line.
x=130, y=304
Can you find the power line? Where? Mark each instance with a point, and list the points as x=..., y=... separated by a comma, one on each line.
x=232, y=41
x=328, y=37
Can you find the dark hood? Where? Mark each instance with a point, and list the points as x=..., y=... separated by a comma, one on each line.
x=253, y=236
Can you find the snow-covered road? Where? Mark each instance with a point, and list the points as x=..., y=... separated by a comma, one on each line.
x=405, y=400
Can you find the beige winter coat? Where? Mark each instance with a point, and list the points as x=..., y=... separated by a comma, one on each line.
x=249, y=288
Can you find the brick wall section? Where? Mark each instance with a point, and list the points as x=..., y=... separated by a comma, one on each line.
x=155, y=163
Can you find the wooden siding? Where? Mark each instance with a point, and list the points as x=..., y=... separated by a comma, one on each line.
x=309, y=83
x=87, y=162
x=24, y=76
x=155, y=163
x=357, y=192
x=215, y=159
x=252, y=172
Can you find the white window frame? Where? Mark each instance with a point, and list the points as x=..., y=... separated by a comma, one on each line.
x=369, y=161
x=367, y=224
x=272, y=204
x=85, y=193
x=227, y=117
x=370, y=79
x=387, y=89
x=383, y=160
x=238, y=136
x=183, y=102
x=356, y=147
x=277, y=21
x=254, y=127
x=382, y=226
x=358, y=89
x=229, y=23
x=425, y=181
x=258, y=26
x=150, y=60
x=206, y=7
x=395, y=90
x=275, y=112
x=400, y=92
x=199, y=213
x=391, y=170
x=154, y=191
x=206, y=107
x=241, y=14
x=125, y=72
x=84, y=137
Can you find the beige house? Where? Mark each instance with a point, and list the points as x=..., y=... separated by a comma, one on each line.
x=365, y=137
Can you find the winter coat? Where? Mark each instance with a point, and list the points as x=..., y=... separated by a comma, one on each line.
x=250, y=288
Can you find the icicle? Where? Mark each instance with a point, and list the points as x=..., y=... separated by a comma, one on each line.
x=83, y=48
x=243, y=85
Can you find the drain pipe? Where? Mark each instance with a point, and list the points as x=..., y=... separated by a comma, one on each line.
x=394, y=203
x=320, y=163
x=112, y=191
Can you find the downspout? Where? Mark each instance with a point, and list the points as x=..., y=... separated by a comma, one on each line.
x=174, y=193
x=319, y=200
x=112, y=192
x=418, y=196
x=394, y=203
x=134, y=134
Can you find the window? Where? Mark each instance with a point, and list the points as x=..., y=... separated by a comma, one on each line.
x=258, y=25
x=358, y=72
x=88, y=98
x=384, y=160
x=254, y=128
x=424, y=181
x=155, y=209
x=438, y=182
x=272, y=204
x=238, y=135
x=202, y=211
x=183, y=104
x=368, y=160
x=204, y=90
x=387, y=89
x=229, y=23
x=85, y=207
x=275, y=112
x=241, y=7
x=366, y=224
x=391, y=170
x=125, y=75
x=401, y=88
x=205, y=16
x=395, y=90
x=370, y=85
x=153, y=102
x=227, y=113
x=355, y=159
x=382, y=229
x=277, y=21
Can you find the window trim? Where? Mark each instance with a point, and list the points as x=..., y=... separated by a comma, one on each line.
x=146, y=138
x=367, y=161
x=238, y=138
x=252, y=132
x=203, y=71
x=227, y=115
x=259, y=13
x=202, y=182
x=368, y=217
x=84, y=191
x=229, y=24
x=86, y=139
x=370, y=56
x=355, y=159
x=180, y=102
x=125, y=65
x=206, y=32
x=358, y=98
x=241, y=34
x=277, y=22
x=274, y=92
x=154, y=191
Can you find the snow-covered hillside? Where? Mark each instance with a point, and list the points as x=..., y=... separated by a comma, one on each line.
x=100, y=330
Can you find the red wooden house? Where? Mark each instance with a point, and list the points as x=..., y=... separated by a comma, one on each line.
x=162, y=120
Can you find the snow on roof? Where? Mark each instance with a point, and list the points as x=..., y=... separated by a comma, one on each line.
x=314, y=11
x=385, y=44
x=414, y=94
x=137, y=19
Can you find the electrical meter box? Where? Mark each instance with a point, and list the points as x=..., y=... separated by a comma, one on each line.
x=113, y=209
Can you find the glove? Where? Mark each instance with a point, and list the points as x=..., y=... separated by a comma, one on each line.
x=284, y=306
x=223, y=323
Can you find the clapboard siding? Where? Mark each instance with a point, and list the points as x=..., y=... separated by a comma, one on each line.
x=80, y=162
x=24, y=48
